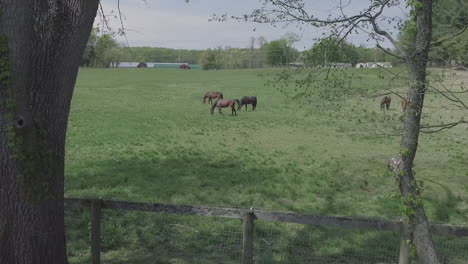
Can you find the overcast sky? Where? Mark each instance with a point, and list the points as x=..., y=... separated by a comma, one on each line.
x=177, y=24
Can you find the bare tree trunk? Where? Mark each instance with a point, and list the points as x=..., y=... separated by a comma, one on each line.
x=402, y=164
x=42, y=42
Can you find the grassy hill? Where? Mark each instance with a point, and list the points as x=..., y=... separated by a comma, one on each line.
x=145, y=135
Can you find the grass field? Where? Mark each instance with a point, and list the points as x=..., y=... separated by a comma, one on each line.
x=145, y=135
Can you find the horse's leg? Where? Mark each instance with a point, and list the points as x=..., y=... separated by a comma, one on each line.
x=219, y=108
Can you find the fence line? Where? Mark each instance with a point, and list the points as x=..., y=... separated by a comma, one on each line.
x=248, y=216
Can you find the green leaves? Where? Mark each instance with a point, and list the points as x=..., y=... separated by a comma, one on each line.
x=449, y=17
x=330, y=50
x=279, y=52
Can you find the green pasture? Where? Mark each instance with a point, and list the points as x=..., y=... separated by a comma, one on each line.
x=145, y=135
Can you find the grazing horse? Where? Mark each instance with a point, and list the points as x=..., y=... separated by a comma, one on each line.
x=404, y=104
x=222, y=103
x=212, y=95
x=248, y=100
x=385, y=103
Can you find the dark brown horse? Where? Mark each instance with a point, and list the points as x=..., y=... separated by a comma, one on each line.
x=222, y=103
x=248, y=100
x=385, y=103
x=404, y=104
x=212, y=95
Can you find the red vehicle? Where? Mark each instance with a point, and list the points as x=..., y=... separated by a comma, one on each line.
x=184, y=67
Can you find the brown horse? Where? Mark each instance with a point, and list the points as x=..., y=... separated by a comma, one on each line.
x=385, y=103
x=222, y=103
x=212, y=95
x=404, y=104
x=248, y=100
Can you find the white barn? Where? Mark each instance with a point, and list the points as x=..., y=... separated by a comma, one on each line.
x=374, y=65
x=126, y=64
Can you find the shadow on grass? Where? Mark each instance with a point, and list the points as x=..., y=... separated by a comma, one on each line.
x=191, y=177
x=447, y=207
x=178, y=177
x=314, y=244
x=185, y=177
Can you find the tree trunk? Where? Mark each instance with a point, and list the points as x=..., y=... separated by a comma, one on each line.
x=41, y=45
x=402, y=164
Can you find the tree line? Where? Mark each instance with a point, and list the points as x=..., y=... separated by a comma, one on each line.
x=104, y=51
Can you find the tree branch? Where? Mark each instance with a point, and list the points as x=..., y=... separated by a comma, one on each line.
x=122, y=30
x=441, y=127
x=104, y=18
x=390, y=53
x=451, y=37
x=384, y=33
x=454, y=98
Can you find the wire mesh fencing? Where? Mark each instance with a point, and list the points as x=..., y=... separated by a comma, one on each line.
x=142, y=237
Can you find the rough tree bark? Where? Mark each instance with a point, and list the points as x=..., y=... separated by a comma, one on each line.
x=402, y=164
x=41, y=44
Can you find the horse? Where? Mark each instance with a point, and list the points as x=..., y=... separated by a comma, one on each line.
x=222, y=103
x=212, y=95
x=248, y=100
x=385, y=103
x=404, y=103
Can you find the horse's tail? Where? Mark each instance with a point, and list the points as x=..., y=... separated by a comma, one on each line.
x=238, y=102
x=221, y=95
x=213, y=106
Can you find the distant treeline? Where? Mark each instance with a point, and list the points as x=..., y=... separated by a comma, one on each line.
x=104, y=51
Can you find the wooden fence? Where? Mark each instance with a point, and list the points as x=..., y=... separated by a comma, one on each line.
x=248, y=217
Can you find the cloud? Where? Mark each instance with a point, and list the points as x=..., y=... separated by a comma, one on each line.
x=176, y=25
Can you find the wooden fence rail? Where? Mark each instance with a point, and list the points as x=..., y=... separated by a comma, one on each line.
x=248, y=216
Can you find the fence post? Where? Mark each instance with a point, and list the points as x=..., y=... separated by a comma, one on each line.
x=248, y=239
x=405, y=257
x=96, y=231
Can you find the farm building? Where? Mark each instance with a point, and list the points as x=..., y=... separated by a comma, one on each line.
x=125, y=64
x=341, y=65
x=373, y=64
x=296, y=64
x=162, y=65
x=168, y=65
x=336, y=65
